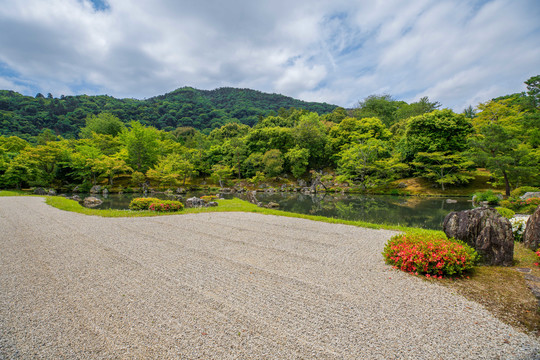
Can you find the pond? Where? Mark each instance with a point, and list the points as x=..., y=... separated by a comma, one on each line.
x=422, y=212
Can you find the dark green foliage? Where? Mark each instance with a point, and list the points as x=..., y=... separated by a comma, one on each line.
x=26, y=116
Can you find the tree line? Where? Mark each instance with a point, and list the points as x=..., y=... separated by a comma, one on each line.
x=26, y=117
x=379, y=141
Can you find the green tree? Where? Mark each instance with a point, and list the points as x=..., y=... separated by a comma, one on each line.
x=369, y=163
x=298, y=159
x=103, y=123
x=533, y=87
x=273, y=162
x=438, y=131
x=310, y=134
x=443, y=167
x=221, y=173
x=383, y=107
x=498, y=149
x=110, y=166
x=142, y=146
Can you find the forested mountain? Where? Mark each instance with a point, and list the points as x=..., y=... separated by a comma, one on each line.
x=26, y=116
x=365, y=148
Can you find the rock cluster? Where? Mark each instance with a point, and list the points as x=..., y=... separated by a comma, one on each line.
x=485, y=230
x=531, y=236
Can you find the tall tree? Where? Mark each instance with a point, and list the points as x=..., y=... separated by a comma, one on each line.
x=142, y=146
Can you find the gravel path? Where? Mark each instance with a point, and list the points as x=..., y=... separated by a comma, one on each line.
x=223, y=286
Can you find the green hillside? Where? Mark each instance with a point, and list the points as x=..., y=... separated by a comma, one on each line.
x=27, y=116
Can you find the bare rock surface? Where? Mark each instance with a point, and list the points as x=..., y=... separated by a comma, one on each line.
x=485, y=230
x=531, y=235
x=223, y=286
x=92, y=201
x=530, y=195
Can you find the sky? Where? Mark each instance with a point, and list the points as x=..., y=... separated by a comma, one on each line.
x=459, y=53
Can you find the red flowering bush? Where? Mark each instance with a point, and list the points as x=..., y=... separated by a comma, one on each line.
x=142, y=203
x=432, y=255
x=538, y=255
x=521, y=206
x=166, y=206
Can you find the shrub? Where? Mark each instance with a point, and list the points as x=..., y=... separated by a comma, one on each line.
x=522, y=190
x=208, y=198
x=166, y=206
x=489, y=196
x=142, y=203
x=432, y=255
x=521, y=206
x=518, y=227
x=505, y=212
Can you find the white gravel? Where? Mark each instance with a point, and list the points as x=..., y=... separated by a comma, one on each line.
x=223, y=286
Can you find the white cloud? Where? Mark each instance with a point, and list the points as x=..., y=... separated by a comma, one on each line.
x=453, y=51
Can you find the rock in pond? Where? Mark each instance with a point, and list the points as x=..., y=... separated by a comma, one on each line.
x=92, y=201
x=272, y=205
x=96, y=189
x=531, y=235
x=485, y=230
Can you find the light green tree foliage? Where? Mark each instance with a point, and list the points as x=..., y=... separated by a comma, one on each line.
x=354, y=131
x=221, y=173
x=273, y=162
x=443, y=167
x=310, y=134
x=110, y=167
x=229, y=131
x=103, y=123
x=142, y=146
x=422, y=106
x=335, y=116
x=137, y=178
x=498, y=145
x=43, y=161
x=171, y=170
x=369, y=162
x=9, y=148
x=264, y=139
x=83, y=163
x=298, y=159
x=235, y=152
x=107, y=144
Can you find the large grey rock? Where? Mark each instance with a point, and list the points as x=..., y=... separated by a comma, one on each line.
x=96, y=189
x=40, y=191
x=52, y=192
x=92, y=201
x=194, y=202
x=530, y=195
x=531, y=235
x=485, y=230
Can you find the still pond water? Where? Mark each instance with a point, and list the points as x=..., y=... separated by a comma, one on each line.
x=427, y=213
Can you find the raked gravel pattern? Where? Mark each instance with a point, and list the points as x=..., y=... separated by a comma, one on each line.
x=223, y=286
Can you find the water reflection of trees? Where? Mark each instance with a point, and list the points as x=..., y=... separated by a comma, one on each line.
x=408, y=211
